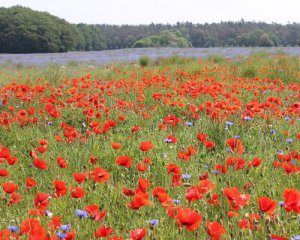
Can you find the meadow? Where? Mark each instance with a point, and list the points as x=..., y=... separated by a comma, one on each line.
x=180, y=148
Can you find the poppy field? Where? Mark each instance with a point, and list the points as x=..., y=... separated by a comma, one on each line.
x=179, y=149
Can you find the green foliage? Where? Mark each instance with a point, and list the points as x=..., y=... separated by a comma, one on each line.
x=164, y=39
x=90, y=38
x=23, y=30
x=216, y=58
x=249, y=72
x=174, y=60
x=144, y=61
x=257, y=38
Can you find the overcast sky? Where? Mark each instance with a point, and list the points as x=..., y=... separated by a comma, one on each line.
x=165, y=11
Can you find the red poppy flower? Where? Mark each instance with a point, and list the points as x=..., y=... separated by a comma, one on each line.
x=235, y=199
x=256, y=162
x=275, y=237
x=214, y=199
x=193, y=194
x=30, y=182
x=172, y=139
x=267, y=205
x=100, y=175
x=292, y=200
x=10, y=187
x=4, y=173
x=33, y=229
x=60, y=187
x=173, y=168
x=79, y=177
x=128, y=192
x=43, y=142
x=62, y=163
x=140, y=199
x=135, y=128
x=55, y=223
x=11, y=160
x=141, y=167
x=146, y=146
x=143, y=184
x=235, y=144
x=116, y=145
x=147, y=160
x=93, y=210
x=176, y=180
x=77, y=192
x=14, y=199
x=209, y=144
x=232, y=214
x=202, y=137
x=93, y=159
x=41, y=149
x=171, y=120
x=138, y=234
x=40, y=163
x=215, y=230
x=103, y=232
x=221, y=168
x=33, y=154
x=124, y=161
x=41, y=201
x=188, y=218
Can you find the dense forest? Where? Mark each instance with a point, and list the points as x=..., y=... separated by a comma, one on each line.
x=23, y=30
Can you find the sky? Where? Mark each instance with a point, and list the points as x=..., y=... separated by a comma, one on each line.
x=136, y=12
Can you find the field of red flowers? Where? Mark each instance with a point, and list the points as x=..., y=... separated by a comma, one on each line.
x=191, y=149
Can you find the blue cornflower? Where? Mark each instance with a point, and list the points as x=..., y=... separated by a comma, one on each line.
x=289, y=140
x=229, y=124
x=13, y=228
x=228, y=150
x=205, y=166
x=297, y=237
x=65, y=227
x=168, y=140
x=237, y=137
x=1, y=103
x=272, y=131
x=281, y=203
x=280, y=152
x=81, y=213
x=287, y=118
x=186, y=176
x=247, y=118
x=216, y=172
x=153, y=222
x=61, y=235
x=48, y=213
x=293, y=162
x=176, y=201
x=189, y=124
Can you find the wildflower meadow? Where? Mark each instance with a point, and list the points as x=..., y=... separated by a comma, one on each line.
x=176, y=149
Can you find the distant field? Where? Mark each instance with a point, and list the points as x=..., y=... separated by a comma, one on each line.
x=181, y=148
x=129, y=55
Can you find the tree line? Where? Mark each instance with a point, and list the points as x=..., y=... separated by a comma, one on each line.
x=23, y=30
